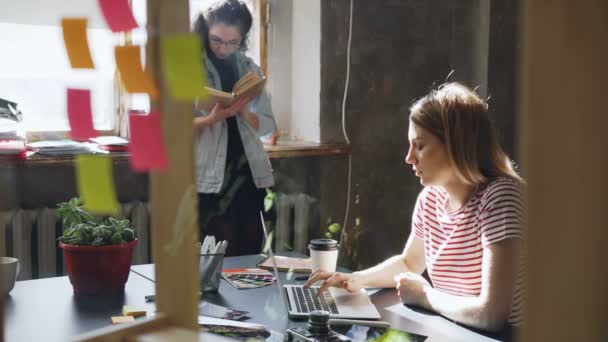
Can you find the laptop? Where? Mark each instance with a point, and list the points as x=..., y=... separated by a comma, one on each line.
x=340, y=303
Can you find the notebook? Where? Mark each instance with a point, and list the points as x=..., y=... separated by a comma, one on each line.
x=286, y=264
x=339, y=303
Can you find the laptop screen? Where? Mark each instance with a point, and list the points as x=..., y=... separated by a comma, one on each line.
x=274, y=264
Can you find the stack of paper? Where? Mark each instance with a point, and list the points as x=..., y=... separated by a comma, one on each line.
x=12, y=140
x=10, y=134
x=111, y=143
x=248, y=278
x=287, y=264
x=12, y=147
x=64, y=146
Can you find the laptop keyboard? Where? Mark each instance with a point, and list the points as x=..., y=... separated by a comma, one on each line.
x=307, y=300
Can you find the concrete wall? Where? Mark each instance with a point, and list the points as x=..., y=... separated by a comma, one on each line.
x=400, y=49
x=41, y=184
x=503, y=72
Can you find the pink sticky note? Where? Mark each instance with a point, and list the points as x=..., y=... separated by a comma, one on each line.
x=118, y=14
x=79, y=114
x=147, y=146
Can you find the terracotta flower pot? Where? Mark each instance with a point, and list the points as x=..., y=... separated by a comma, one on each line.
x=98, y=269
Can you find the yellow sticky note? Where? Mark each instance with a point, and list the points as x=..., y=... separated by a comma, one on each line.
x=76, y=42
x=96, y=184
x=133, y=76
x=122, y=319
x=129, y=311
x=182, y=58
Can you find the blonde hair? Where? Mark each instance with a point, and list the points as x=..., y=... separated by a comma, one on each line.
x=458, y=117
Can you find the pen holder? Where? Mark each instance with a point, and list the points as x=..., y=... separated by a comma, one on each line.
x=210, y=268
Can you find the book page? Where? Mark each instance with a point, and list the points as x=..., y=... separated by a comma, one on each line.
x=214, y=96
x=246, y=79
x=252, y=89
x=249, y=85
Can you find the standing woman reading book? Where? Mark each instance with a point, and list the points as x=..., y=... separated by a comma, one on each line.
x=467, y=223
x=232, y=168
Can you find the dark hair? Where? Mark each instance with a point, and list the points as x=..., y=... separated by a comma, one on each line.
x=458, y=117
x=231, y=12
x=202, y=30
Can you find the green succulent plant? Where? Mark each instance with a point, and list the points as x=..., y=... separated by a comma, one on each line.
x=84, y=229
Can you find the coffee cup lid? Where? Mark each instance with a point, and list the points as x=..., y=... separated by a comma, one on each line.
x=323, y=245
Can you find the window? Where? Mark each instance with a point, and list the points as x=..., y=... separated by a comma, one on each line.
x=35, y=71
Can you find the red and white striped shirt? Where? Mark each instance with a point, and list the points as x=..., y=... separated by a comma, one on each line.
x=454, y=242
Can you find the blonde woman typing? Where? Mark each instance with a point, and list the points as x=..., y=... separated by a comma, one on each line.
x=467, y=222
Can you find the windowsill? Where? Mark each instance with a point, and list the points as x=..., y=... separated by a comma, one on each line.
x=295, y=149
x=283, y=149
x=40, y=159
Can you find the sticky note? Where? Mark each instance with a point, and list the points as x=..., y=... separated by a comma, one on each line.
x=147, y=145
x=133, y=76
x=76, y=42
x=80, y=115
x=122, y=319
x=182, y=66
x=130, y=311
x=96, y=183
x=118, y=15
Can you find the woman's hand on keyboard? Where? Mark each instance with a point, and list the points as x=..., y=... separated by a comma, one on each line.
x=333, y=279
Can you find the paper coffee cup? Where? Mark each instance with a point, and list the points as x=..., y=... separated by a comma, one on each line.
x=324, y=254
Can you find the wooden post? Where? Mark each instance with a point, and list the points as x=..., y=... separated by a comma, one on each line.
x=173, y=194
x=565, y=158
x=263, y=9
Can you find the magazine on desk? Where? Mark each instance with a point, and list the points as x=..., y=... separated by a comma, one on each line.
x=248, y=278
x=287, y=264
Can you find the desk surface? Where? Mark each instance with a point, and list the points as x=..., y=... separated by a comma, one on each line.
x=47, y=308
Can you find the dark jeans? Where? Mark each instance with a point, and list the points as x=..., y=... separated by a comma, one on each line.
x=240, y=225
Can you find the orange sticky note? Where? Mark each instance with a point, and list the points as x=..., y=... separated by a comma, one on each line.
x=80, y=115
x=133, y=76
x=76, y=42
x=118, y=15
x=182, y=66
x=96, y=183
x=147, y=145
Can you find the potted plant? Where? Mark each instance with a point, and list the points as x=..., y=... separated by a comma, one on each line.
x=97, y=251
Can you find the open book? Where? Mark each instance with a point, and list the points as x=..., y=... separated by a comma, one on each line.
x=249, y=85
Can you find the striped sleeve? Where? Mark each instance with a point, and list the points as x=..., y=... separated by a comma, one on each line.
x=501, y=212
x=417, y=217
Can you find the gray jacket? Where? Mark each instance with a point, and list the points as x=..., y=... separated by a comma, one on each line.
x=211, y=142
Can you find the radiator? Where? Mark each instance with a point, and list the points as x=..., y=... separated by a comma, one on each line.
x=296, y=218
x=31, y=236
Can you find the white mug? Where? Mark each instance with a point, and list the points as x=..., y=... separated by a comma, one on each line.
x=9, y=269
x=324, y=254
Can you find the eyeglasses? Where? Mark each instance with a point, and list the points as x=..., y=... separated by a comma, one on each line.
x=233, y=44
